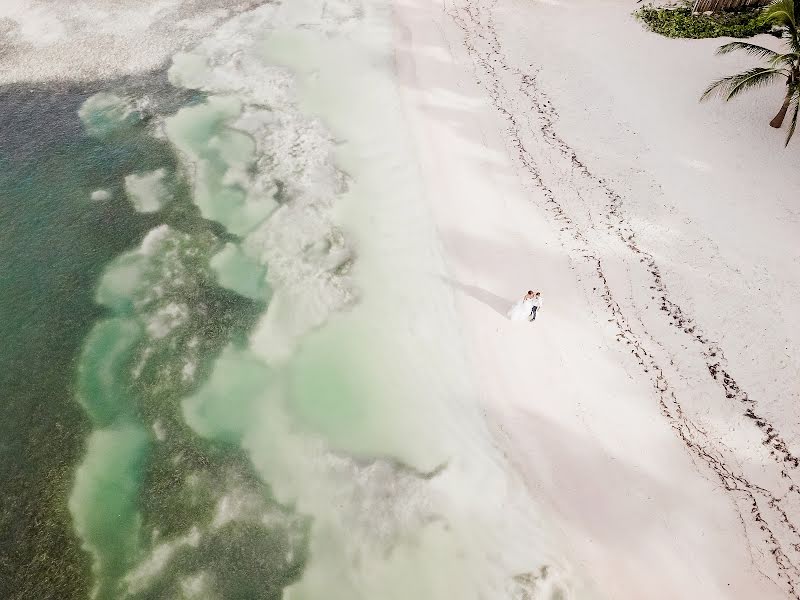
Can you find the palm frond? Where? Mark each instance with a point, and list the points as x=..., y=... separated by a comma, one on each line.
x=752, y=49
x=792, y=38
x=788, y=59
x=783, y=13
x=732, y=86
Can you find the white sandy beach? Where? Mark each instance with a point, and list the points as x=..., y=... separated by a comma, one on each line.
x=653, y=405
x=639, y=441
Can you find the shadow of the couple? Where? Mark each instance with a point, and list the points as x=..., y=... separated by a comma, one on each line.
x=493, y=301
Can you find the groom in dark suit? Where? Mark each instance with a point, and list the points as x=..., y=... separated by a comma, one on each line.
x=537, y=304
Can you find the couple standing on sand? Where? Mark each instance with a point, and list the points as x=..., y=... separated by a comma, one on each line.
x=526, y=309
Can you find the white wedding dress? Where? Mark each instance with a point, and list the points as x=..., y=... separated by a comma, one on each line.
x=521, y=311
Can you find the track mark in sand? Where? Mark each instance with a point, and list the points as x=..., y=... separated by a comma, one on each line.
x=760, y=510
x=715, y=359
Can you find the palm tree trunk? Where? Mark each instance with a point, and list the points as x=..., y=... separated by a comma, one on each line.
x=777, y=121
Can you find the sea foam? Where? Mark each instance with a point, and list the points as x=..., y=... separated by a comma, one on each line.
x=147, y=191
x=363, y=415
x=348, y=396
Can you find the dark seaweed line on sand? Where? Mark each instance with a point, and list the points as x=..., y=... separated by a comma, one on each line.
x=477, y=25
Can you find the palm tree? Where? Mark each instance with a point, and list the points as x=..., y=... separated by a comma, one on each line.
x=780, y=66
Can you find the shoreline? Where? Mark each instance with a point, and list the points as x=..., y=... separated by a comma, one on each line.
x=303, y=365
x=638, y=514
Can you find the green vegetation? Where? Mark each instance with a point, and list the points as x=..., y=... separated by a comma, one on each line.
x=780, y=66
x=679, y=22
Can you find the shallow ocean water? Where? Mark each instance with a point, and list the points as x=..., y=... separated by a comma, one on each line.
x=56, y=242
x=224, y=341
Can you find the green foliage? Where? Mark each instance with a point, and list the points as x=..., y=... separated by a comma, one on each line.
x=679, y=22
x=785, y=66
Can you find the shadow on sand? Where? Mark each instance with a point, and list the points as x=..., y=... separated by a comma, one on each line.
x=493, y=301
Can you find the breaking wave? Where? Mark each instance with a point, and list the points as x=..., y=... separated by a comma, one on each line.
x=274, y=409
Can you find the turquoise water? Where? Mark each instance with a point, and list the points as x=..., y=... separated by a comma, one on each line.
x=148, y=495
x=78, y=299
x=55, y=244
x=230, y=370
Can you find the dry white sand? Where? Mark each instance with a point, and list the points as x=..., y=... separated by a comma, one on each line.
x=653, y=405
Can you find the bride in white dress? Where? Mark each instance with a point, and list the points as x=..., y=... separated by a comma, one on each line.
x=521, y=311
